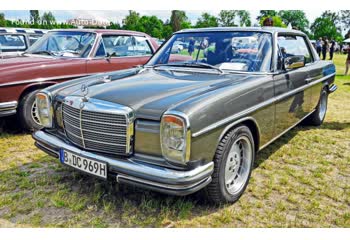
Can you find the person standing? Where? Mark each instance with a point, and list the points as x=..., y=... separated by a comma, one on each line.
x=268, y=22
x=324, y=48
x=331, y=50
x=191, y=46
x=319, y=46
x=347, y=62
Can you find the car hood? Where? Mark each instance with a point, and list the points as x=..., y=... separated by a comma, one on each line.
x=151, y=92
x=27, y=67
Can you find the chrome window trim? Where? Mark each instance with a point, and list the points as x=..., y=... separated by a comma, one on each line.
x=257, y=107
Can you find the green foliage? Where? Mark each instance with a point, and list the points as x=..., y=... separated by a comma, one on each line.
x=266, y=13
x=178, y=20
x=244, y=18
x=2, y=20
x=130, y=21
x=325, y=27
x=48, y=20
x=34, y=17
x=207, y=20
x=227, y=18
x=296, y=18
x=277, y=21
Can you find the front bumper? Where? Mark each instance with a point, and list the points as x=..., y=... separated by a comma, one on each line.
x=8, y=108
x=133, y=171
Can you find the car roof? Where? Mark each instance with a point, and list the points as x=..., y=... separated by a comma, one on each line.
x=23, y=30
x=101, y=31
x=229, y=29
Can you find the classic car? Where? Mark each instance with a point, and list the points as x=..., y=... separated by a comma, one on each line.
x=15, y=41
x=177, y=127
x=62, y=55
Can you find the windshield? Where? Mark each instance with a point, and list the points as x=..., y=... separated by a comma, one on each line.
x=246, y=51
x=64, y=44
x=12, y=42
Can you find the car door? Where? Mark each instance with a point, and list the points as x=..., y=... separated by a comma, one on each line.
x=116, y=52
x=293, y=98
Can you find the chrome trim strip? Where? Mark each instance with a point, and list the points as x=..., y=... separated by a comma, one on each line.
x=258, y=106
x=81, y=128
x=5, y=106
x=332, y=88
x=156, y=184
x=131, y=166
x=279, y=135
x=38, y=80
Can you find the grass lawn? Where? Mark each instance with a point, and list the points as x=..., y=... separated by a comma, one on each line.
x=301, y=180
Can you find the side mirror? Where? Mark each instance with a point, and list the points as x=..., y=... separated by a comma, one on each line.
x=108, y=56
x=294, y=62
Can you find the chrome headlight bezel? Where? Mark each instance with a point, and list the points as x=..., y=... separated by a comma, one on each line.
x=43, y=101
x=180, y=120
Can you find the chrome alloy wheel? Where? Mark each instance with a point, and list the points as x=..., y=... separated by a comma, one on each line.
x=238, y=165
x=35, y=115
x=323, y=105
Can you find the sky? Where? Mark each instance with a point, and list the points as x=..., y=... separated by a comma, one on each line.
x=119, y=15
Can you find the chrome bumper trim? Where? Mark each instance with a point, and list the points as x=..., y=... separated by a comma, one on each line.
x=132, y=170
x=8, y=108
x=332, y=88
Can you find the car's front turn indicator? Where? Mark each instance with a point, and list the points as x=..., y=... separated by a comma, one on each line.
x=175, y=138
x=44, y=108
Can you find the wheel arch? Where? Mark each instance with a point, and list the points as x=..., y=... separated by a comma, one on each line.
x=251, y=123
x=33, y=87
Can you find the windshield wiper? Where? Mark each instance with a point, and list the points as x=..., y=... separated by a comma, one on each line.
x=190, y=64
x=45, y=52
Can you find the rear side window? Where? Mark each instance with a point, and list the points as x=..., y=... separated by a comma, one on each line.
x=294, y=45
x=124, y=46
x=12, y=42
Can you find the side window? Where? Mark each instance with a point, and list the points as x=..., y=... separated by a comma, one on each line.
x=294, y=45
x=101, y=50
x=142, y=47
x=124, y=46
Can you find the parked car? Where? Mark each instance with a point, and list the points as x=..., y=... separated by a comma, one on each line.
x=177, y=127
x=14, y=42
x=63, y=55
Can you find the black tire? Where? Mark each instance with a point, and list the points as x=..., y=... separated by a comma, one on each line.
x=318, y=116
x=217, y=191
x=25, y=112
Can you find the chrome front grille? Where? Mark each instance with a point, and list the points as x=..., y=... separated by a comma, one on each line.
x=98, y=126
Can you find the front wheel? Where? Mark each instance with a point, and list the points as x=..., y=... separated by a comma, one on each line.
x=233, y=163
x=317, y=117
x=27, y=112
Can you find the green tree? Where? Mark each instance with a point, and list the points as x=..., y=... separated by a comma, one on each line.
x=244, y=18
x=130, y=22
x=34, y=18
x=150, y=25
x=48, y=20
x=266, y=13
x=167, y=31
x=296, y=18
x=325, y=27
x=227, y=18
x=113, y=25
x=3, y=22
x=277, y=21
x=207, y=20
x=178, y=20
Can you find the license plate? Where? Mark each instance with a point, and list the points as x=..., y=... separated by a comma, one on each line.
x=93, y=167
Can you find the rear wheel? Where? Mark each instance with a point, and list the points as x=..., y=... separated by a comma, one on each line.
x=233, y=162
x=318, y=116
x=27, y=112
